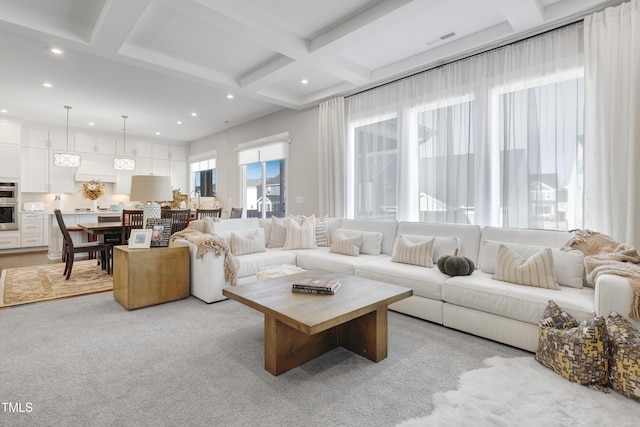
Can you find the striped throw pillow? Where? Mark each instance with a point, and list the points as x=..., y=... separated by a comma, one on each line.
x=536, y=270
x=407, y=252
x=301, y=236
x=344, y=245
x=247, y=243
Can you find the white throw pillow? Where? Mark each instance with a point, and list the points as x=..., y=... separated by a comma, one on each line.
x=441, y=245
x=568, y=265
x=301, y=236
x=247, y=242
x=408, y=252
x=342, y=244
x=371, y=240
x=536, y=270
x=278, y=235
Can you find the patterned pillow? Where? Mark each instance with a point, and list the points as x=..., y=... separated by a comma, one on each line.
x=342, y=244
x=407, y=252
x=575, y=351
x=247, y=242
x=278, y=235
x=535, y=271
x=322, y=232
x=301, y=236
x=624, y=369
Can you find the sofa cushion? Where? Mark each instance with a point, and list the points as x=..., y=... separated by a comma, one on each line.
x=425, y=282
x=536, y=270
x=387, y=228
x=577, y=352
x=278, y=232
x=568, y=265
x=480, y=291
x=346, y=245
x=301, y=236
x=251, y=264
x=467, y=236
x=323, y=259
x=624, y=366
x=408, y=252
x=243, y=242
x=371, y=240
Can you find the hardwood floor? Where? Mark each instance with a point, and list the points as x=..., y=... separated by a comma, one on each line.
x=24, y=259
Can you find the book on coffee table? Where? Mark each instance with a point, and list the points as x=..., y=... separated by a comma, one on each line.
x=310, y=285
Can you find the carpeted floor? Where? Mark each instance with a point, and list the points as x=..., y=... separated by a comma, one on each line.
x=46, y=282
x=88, y=361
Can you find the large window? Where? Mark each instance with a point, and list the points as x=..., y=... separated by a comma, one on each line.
x=495, y=139
x=203, y=178
x=263, y=165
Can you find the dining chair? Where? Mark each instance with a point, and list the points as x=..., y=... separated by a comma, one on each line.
x=211, y=213
x=114, y=238
x=236, y=213
x=179, y=218
x=85, y=247
x=131, y=220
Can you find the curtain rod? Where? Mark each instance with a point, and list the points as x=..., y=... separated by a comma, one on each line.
x=517, y=39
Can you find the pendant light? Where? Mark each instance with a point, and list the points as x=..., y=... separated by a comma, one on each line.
x=124, y=163
x=66, y=159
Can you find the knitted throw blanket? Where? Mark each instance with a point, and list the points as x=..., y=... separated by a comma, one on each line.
x=603, y=255
x=206, y=243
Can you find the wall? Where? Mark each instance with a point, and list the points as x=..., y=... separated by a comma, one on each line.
x=303, y=157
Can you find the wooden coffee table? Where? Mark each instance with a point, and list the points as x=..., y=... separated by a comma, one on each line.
x=299, y=327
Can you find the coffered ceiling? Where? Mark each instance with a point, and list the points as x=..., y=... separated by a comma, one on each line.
x=159, y=61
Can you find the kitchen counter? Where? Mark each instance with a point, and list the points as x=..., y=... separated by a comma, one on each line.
x=81, y=212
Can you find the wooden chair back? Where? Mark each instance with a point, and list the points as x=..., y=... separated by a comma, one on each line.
x=179, y=218
x=131, y=220
x=236, y=213
x=211, y=213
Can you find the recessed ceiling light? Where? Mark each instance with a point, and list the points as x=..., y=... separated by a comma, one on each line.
x=229, y=96
x=3, y=111
x=179, y=122
x=56, y=50
x=157, y=133
x=194, y=114
x=46, y=84
x=304, y=81
x=91, y=124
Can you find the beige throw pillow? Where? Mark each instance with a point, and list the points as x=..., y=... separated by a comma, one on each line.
x=407, y=252
x=342, y=244
x=536, y=270
x=247, y=243
x=278, y=235
x=301, y=236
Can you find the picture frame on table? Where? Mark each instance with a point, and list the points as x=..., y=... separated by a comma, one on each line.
x=140, y=238
x=160, y=231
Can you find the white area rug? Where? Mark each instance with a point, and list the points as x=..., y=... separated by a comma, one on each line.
x=521, y=392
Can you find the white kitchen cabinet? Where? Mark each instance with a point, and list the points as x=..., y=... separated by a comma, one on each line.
x=35, y=137
x=123, y=182
x=160, y=167
x=33, y=230
x=58, y=140
x=178, y=174
x=10, y=131
x=92, y=143
x=139, y=148
x=39, y=175
x=9, y=160
x=9, y=239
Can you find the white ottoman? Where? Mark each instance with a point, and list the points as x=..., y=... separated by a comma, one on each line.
x=274, y=271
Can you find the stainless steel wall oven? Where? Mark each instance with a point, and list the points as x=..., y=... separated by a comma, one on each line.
x=9, y=192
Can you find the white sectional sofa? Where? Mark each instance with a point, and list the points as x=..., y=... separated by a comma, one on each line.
x=477, y=304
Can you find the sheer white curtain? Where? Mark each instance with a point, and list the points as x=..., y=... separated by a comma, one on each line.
x=494, y=139
x=612, y=122
x=332, y=151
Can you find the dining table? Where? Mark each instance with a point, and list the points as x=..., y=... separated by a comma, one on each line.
x=101, y=228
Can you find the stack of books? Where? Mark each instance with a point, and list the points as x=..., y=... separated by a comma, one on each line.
x=310, y=285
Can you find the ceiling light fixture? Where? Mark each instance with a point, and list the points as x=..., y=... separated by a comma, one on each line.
x=124, y=163
x=91, y=124
x=194, y=114
x=56, y=50
x=229, y=96
x=66, y=159
x=3, y=111
x=304, y=81
x=179, y=122
x=157, y=133
x=47, y=84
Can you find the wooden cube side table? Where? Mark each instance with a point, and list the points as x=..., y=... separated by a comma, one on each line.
x=144, y=277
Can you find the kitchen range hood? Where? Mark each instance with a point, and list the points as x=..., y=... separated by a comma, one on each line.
x=93, y=170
